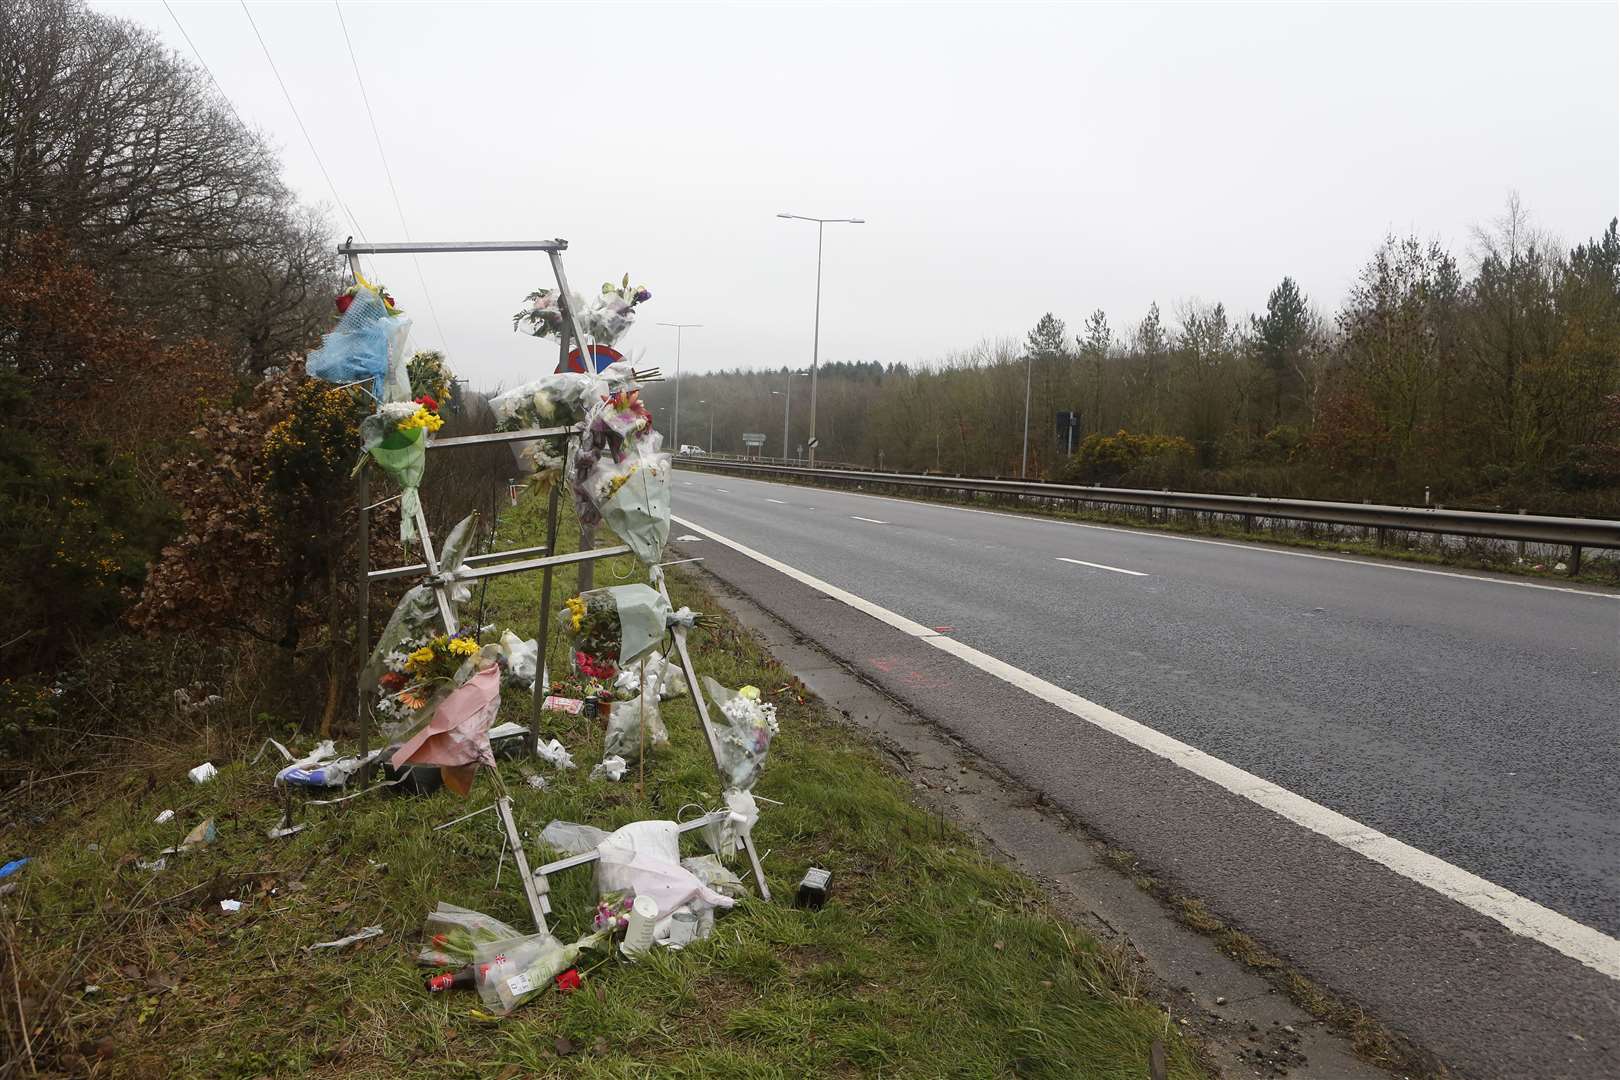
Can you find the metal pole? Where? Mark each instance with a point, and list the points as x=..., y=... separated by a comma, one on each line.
x=677, y=436
x=362, y=622
x=787, y=408
x=815, y=346
x=711, y=429
x=1023, y=470
x=541, y=674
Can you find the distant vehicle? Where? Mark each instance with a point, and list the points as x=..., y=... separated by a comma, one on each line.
x=692, y=451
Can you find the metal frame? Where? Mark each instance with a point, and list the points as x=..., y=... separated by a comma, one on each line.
x=544, y=557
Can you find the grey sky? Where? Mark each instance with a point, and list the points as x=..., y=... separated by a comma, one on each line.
x=1010, y=159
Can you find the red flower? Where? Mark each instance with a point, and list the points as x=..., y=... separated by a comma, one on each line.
x=568, y=981
x=343, y=302
x=427, y=402
x=393, y=680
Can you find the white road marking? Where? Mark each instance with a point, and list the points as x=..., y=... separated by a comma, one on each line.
x=1257, y=546
x=686, y=483
x=778, y=502
x=726, y=490
x=1100, y=566
x=1521, y=916
x=874, y=521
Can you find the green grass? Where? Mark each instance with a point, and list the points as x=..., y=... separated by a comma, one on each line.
x=930, y=959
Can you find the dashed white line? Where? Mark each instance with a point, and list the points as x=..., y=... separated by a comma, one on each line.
x=874, y=521
x=1100, y=566
x=778, y=502
x=1520, y=915
x=726, y=491
x=1256, y=547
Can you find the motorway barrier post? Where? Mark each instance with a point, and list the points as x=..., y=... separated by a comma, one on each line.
x=1574, y=559
x=1521, y=542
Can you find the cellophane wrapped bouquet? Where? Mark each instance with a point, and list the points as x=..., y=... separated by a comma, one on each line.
x=395, y=437
x=604, y=319
x=368, y=343
x=620, y=477
x=745, y=737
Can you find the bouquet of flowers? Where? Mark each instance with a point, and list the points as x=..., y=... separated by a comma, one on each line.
x=410, y=626
x=430, y=376
x=419, y=672
x=614, y=627
x=452, y=934
x=609, y=314
x=618, y=475
x=519, y=969
x=396, y=438
x=746, y=735
x=368, y=343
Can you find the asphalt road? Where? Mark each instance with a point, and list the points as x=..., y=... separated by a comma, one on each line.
x=1475, y=720
x=1471, y=717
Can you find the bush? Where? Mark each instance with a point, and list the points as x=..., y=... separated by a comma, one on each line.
x=1127, y=459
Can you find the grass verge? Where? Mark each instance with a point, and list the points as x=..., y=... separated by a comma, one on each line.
x=930, y=959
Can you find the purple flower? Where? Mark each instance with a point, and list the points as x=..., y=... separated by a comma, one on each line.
x=642, y=296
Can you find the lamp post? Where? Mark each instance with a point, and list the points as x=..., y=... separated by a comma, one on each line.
x=787, y=406
x=710, y=447
x=1023, y=469
x=815, y=348
x=679, y=326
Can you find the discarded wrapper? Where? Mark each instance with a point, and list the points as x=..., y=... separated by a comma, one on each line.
x=612, y=768
x=165, y=817
x=230, y=905
x=556, y=753
x=203, y=773
x=362, y=935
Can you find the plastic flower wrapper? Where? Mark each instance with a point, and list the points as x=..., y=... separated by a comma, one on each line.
x=452, y=933
x=618, y=475
x=368, y=343
x=429, y=375
x=745, y=737
x=614, y=627
x=604, y=319
x=519, y=969
x=612, y=912
x=456, y=736
x=395, y=436
x=624, y=729
x=416, y=616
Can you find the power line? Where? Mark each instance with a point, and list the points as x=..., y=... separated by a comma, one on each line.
x=198, y=54
x=311, y=142
x=388, y=172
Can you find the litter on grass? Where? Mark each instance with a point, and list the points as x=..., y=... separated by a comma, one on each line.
x=556, y=753
x=363, y=935
x=164, y=818
x=612, y=768
x=203, y=773
x=230, y=905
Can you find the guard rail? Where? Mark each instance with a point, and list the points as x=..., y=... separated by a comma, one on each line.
x=1572, y=532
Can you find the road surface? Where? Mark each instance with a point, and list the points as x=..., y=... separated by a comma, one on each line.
x=1471, y=717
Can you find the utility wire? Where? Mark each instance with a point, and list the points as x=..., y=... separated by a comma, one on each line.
x=388, y=172
x=311, y=142
x=198, y=54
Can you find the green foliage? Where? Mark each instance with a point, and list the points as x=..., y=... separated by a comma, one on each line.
x=74, y=537
x=1130, y=460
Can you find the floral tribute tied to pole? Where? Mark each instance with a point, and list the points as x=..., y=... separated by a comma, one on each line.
x=604, y=320
x=395, y=437
x=367, y=344
x=619, y=476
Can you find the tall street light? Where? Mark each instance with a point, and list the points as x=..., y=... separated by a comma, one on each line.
x=679, y=326
x=787, y=406
x=710, y=447
x=815, y=348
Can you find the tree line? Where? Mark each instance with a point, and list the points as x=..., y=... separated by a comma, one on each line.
x=1498, y=384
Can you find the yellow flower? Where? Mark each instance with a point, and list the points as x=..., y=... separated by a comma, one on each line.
x=463, y=646
x=749, y=692
x=421, y=657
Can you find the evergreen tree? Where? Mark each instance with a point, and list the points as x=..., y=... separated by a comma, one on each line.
x=1279, y=338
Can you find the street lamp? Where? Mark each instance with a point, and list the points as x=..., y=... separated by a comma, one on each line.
x=711, y=425
x=815, y=348
x=1023, y=469
x=787, y=405
x=679, y=326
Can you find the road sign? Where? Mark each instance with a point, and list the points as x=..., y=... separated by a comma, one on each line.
x=1068, y=424
x=753, y=438
x=814, y=443
x=601, y=357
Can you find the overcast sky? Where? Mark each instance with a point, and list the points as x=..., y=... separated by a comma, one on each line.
x=1009, y=159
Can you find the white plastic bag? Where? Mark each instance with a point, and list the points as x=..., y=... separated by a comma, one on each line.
x=624, y=729
x=643, y=858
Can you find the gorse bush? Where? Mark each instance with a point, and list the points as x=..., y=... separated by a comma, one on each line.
x=1129, y=459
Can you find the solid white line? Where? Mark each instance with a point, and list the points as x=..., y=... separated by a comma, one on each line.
x=1257, y=546
x=1522, y=916
x=874, y=521
x=1100, y=566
